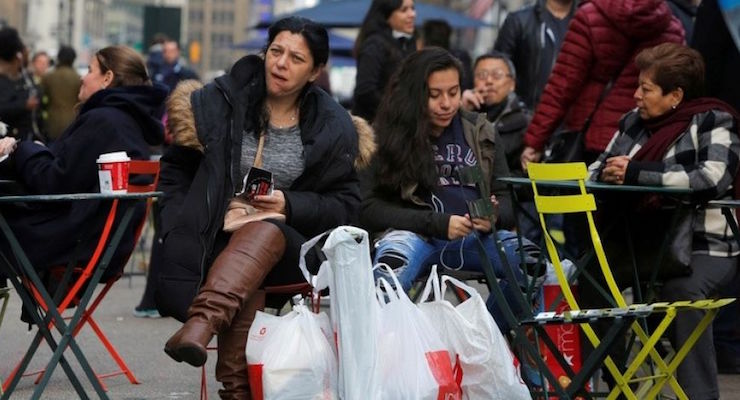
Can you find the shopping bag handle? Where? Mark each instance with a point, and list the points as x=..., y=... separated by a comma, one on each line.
x=386, y=297
x=432, y=284
x=398, y=290
x=320, y=281
x=446, y=279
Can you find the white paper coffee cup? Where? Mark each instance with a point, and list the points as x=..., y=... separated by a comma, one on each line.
x=113, y=172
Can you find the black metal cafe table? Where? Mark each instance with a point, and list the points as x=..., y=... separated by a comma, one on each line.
x=46, y=315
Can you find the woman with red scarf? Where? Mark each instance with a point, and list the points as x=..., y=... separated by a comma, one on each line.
x=676, y=138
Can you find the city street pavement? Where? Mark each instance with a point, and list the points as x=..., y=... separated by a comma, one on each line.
x=140, y=341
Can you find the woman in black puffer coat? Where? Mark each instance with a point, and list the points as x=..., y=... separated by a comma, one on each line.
x=120, y=111
x=385, y=38
x=212, y=277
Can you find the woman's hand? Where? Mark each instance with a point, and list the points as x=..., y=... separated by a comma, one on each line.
x=482, y=225
x=472, y=100
x=7, y=146
x=274, y=202
x=529, y=154
x=459, y=227
x=494, y=203
x=615, y=169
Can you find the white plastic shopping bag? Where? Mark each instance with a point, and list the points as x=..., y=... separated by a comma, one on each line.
x=413, y=362
x=485, y=367
x=353, y=308
x=291, y=357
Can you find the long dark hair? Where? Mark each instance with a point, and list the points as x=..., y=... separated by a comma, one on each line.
x=317, y=40
x=402, y=124
x=315, y=35
x=376, y=20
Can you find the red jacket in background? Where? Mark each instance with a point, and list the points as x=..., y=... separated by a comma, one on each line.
x=603, y=37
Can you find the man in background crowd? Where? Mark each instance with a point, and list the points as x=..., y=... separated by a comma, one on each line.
x=18, y=101
x=437, y=32
x=685, y=11
x=173, y=69
x=60, y=88
x=40, y=63
x=154, y=59
x=531, y=37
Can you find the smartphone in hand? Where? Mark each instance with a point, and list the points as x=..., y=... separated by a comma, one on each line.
x=257, y=182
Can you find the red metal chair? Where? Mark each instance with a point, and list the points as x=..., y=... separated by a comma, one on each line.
x=83, y=274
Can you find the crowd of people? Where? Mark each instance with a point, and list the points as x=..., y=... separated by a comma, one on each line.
x=652, y=110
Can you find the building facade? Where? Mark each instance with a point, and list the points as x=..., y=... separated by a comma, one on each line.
x=214, y=26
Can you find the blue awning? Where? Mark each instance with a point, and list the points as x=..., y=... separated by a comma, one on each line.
x=350, y=13
x=337, y=43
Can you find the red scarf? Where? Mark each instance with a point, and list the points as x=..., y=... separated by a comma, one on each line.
x=668, y=127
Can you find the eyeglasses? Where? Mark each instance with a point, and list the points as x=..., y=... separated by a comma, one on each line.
x=496, y=74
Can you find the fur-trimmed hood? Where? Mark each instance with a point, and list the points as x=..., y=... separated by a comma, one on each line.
x=365, y=142
x=181, y=124
x=180, y=118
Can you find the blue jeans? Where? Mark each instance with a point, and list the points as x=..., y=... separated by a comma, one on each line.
x=412, y=255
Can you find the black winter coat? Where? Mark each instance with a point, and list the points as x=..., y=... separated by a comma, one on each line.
x=120, y=119
x=522, y=37
x=685, y=12
x=377, y=59
x=198, y=185
x=13, y=112
x=510, y=124
x=171, y=75
x=713, y=40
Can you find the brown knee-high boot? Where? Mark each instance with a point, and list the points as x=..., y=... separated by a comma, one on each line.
x=231, y=365
x=234, y=277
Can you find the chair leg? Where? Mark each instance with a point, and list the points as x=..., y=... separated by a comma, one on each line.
x=648, y=349
x=203, y=383
x=204, y=377
x=5, y=295
x=680, y=355
x=114, y=354
x=619, y=378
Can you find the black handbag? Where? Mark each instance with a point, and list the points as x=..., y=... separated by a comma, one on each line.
x=568, y=145
x=678, y=255
x=648, y=231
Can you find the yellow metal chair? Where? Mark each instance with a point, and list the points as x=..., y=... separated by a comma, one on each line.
x=583, y=202
x=528, y=333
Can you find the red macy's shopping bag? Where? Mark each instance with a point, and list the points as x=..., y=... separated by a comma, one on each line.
x=291, y=356
x=441, y=367
x=413, y=361
x=566, y=337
